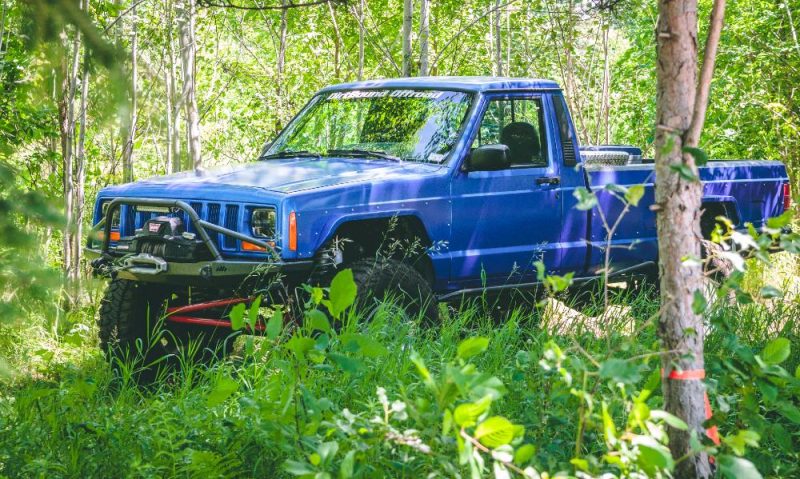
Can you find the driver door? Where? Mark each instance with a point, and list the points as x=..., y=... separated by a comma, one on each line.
x=504, y=221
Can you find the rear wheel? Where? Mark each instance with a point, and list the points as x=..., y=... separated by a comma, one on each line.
x=132, y=326
x=380, y=279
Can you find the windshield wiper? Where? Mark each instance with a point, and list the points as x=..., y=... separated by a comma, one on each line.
x=291, y=154
x=364, y=153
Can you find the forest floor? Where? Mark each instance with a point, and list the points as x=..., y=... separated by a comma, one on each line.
x=263, y=413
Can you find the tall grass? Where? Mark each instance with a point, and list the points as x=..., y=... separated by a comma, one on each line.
x=65, y=413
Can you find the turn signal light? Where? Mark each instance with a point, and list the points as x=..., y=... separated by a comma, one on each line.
x=292, y=231
x=114, y=236
x=787, y=197
x=247, y=246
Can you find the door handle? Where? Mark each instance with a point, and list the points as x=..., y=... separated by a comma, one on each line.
x=548, y=180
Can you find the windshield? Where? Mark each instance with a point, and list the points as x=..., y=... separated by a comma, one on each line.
x=397, y=124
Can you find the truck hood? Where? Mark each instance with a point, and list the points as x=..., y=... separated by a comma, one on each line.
x=288, y=175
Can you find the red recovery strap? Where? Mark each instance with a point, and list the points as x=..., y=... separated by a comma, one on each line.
x=697, y=375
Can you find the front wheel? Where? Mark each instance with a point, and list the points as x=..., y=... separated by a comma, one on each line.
x=132, y=326
x=380, y=279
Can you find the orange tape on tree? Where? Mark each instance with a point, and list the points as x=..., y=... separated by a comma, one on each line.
x=696, y=375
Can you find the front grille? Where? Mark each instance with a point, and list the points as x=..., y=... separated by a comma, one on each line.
x=227, y=215
x=231, y=222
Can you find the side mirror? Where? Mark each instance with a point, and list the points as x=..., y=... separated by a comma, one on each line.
x=488, y=158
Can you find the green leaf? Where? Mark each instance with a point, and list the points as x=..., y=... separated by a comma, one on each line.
x=781, y=221
x=466, y=415
x=495, y=431
x=776, y=351
x=737, y=468
x=346, y=363
x=684, y=172
x=524, y=454
x=668, y=418
x=222, y=391
x=347, y=466
x=620, y=371
x=699, y=303
x=654, y=458
x=252, y=313
x=297, y=468
x=790, y=412
x=237, y=316
x=342, y=293
x=275, y=324
x=299, y=345
x=586, y=199
x=318, y=321
x=700, y=156
x=367, y=345
x=472, y=346
x=634, y=194
x=770, y=292
x=609, y=429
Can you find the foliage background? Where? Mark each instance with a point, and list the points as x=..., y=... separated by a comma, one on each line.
x=64, y=414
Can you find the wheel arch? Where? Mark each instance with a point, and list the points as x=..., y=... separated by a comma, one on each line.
x=713, y=206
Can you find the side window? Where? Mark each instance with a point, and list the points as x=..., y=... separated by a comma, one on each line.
x=567, y=148
x=518, y=124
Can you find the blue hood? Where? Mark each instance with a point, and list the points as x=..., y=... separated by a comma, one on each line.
x=281, y=176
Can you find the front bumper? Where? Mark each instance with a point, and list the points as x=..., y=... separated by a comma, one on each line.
x=216, y=271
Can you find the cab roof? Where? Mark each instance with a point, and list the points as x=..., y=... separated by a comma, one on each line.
x=462, y=83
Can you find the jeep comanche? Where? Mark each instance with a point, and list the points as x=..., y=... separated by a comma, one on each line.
x=435, y=188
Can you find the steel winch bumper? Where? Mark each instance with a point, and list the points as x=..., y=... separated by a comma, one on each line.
x=149, y=268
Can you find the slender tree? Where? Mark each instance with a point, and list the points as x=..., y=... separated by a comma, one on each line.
x=130, y=140
x=186, y=16
x=408, y=13
x=498, y=38
x=66, y=109
x=80, y=171
x=680, y=112
x=361, y=39
x=424, y=32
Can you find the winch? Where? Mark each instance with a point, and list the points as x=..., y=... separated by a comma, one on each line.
x=166, y=237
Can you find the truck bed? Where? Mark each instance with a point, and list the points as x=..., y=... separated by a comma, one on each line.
x=746, y=191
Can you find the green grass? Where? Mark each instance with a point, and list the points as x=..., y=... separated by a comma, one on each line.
x=65, y=413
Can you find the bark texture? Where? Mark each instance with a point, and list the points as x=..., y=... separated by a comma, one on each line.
x=678, y=200
x=424, y=31
x=408, y=11
x=188, y=53
x=127, y=151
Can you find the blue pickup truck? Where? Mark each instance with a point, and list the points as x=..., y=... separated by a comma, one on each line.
x=428, y=188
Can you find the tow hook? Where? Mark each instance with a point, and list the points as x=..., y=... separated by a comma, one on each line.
x=103, y=268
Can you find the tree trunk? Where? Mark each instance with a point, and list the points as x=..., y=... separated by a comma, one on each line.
x=175, y=100
x=678, y=203
x=67, y=131
x=498, y=38
x=188, y=52
x=80, y=174
x=424, y=30
x=169, y=90
x=606, y=87
x=127, y=151
x=280, y=66
x=360, y=39
x=408, y=6
x=337, y=43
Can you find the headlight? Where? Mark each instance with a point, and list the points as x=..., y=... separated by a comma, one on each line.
x=114, y=217
x=262, y=223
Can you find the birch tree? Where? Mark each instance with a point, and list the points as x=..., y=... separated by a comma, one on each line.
x=408, y=13
x=186, y=19
x=424, y=31
x=127, y=150
x=680, y=113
